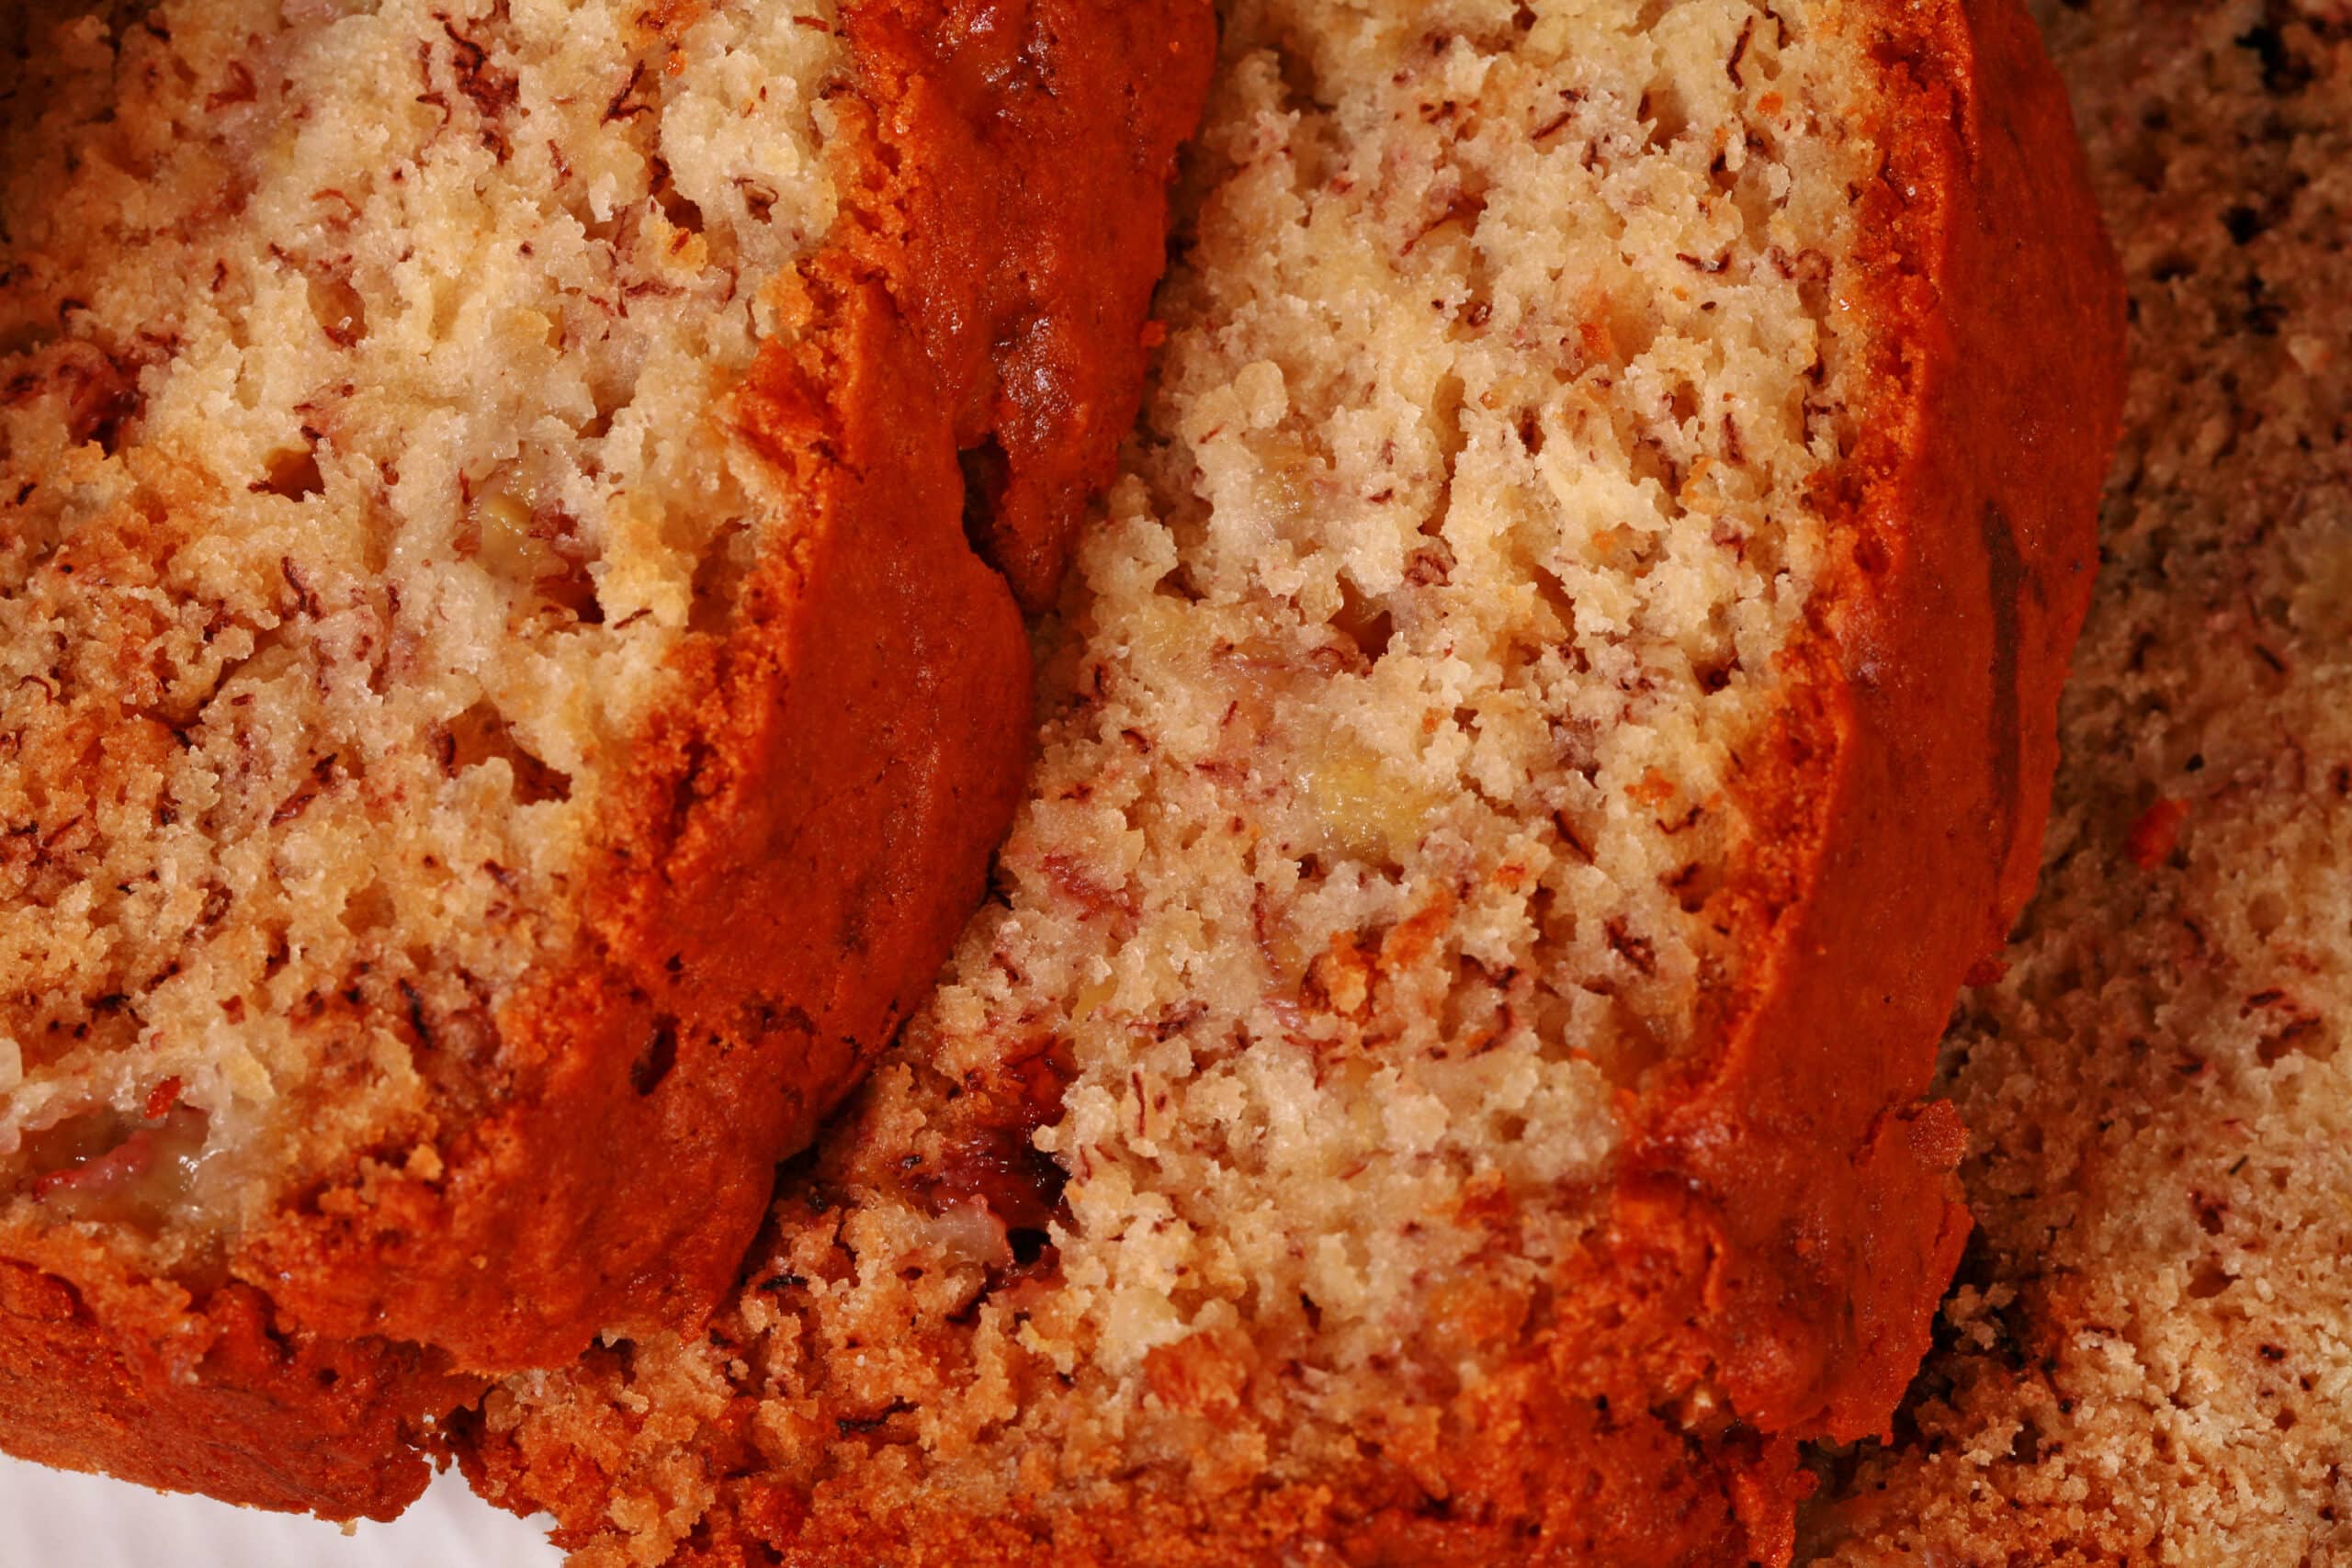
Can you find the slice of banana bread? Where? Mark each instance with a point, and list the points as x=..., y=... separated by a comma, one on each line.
x=486, y=508
x=1563, y=695
x=2147, y=1359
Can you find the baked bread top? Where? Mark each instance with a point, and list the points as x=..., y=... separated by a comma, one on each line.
x=2145, y=1358
x=493, y=493
x=1561, y=693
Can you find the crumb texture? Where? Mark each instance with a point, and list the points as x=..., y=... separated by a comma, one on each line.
x=1398, y=729
x=361, y=478
x=1389, y=825
x=2145, y=1359
x=517, y=517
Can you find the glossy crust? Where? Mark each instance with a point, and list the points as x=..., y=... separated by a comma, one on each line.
x=849, y=755
x=1785, y=1216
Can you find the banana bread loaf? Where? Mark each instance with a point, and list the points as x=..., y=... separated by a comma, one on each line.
x=1563, y=695
x=2145, y=1361
x=491, y=493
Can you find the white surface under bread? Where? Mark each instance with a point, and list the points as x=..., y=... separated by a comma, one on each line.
x=57, y=1520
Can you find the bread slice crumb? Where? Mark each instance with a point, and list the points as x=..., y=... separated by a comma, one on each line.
x=1399, y=845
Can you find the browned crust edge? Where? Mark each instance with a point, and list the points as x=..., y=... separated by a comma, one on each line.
x=133, y=1376
x=1809, y=1192
x=855, y=783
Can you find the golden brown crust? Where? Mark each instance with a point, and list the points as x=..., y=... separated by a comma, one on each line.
x=848, y=757
x=1803, y=1170
x=103, y=1370
x=1056, y=122
x=1785, y=1217
x=2138, y=1362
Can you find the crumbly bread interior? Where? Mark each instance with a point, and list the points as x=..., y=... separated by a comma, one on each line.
x=359, y=470
x=2145, y=1360
x=1389, y=803
x=1421, y=644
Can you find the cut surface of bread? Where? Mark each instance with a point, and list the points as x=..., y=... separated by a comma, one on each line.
x=1560, y=696
x=2145, y=1361
x=486, y=501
